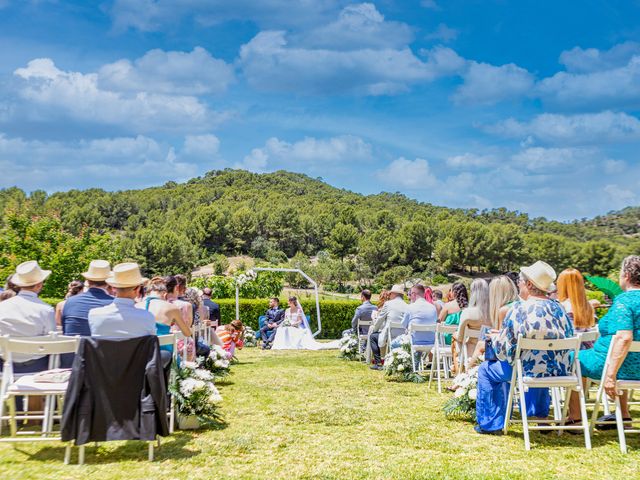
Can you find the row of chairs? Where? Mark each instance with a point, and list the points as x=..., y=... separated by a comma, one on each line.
x=14, y=385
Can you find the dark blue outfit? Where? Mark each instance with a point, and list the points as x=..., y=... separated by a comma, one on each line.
x=75, y=314
x=274, y=315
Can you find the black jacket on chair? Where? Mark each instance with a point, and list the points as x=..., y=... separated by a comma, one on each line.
x=116, y=391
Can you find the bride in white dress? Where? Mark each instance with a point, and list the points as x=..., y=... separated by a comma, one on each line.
x=294, y=333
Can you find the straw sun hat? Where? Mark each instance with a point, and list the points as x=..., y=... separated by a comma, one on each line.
x=542, y=275
x=126, y=275
x=29, y=274
x=99, y=271
x=397, y=289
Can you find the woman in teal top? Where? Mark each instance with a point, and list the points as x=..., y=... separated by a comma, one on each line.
x=622, y=322
x=450, y=313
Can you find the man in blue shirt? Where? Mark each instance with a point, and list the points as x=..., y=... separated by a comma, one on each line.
x=121, y=319
x=420, y=312
x=75, y=313
x=274, y=315
x=363, y=313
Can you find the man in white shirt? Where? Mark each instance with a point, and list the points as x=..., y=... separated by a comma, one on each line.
x=420, y=312
x=392, y=312
x=25, y=315
x=122, y=319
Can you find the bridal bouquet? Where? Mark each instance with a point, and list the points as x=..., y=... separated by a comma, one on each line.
x=398, y=362
x=195, y=393
x=463, y=402
x=286, y=322
x=349, y=347
x=250, y=339
x=218, y=361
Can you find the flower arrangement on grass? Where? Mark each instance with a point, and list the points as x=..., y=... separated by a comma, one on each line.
x=463, y=402
x=195, y=393
x=398, y=362
x=349, y=347
x=218, y=361
x=250, y=339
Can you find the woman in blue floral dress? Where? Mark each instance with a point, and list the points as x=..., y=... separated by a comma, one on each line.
x=536, y=316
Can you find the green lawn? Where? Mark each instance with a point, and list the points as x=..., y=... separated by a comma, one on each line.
x=311, y=415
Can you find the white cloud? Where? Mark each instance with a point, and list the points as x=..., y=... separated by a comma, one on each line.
x=309, y=152
x=155, y=15
x=358, y=26
x=619, y=196
x=110, y=163
x=201, y=146
x=410, y=174
x=607, y=88
x=588, y=128
x=612, y=166
x=470, y=160
x=486, y=84
x=553, y=161
x=269, y=63
x=579, y=60
x=430, y=4
x=181, y=73
x=51, y=92
x=443, y=33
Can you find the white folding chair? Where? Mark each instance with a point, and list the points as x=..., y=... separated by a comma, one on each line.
x=621, y=385
x=363, y=338
x=571, y=381
x=170, y=340
x=394, y=329
x=423, y=350
x=14, y=385
x=469, y=337
x=185, y=345
x=443, y=354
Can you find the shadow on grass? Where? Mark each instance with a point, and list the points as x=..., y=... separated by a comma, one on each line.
x=173, y=447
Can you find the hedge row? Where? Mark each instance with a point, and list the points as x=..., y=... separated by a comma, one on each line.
x=336, y=314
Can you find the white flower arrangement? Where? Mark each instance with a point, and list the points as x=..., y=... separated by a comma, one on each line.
x=398, y=364
x=218, y=361
x=242, y=278
x=195, y=393
x=250, y=339
x=349, y=347
x=463, y=402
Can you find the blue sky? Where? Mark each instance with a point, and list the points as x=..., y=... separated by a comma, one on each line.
x=529, y=105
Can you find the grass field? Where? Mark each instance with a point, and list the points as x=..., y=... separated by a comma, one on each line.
x=310, y=415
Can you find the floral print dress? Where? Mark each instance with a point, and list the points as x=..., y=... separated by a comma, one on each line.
x=541, y=319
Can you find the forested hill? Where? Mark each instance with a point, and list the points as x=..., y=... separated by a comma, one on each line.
x=274, y=216
x=623, y=222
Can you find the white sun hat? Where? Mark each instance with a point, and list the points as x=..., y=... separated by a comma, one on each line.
x=125, y=275
x=542, y=275
x=397, y=289
x=29, y=274
x=99, y=271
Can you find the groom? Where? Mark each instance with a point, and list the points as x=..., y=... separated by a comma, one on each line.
x=275, y=316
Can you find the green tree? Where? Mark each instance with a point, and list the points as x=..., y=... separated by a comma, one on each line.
x=343, y=240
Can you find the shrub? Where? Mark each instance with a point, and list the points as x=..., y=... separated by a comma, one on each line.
x=266, y=284
x=439, y=279
x=336, y=314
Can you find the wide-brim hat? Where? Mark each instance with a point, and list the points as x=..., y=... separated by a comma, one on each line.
x=542, y=275
x=397, y=289
x=126, y=275
x=29, y=274
x=99, y=271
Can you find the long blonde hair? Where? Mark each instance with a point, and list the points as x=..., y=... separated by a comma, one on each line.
x=479, y=298
x=571, y=287
x=501, y=292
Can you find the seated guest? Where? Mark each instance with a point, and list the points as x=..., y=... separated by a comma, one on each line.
x=74, y=316
x=363, y=312
x=167, y=315
x=232, y=336
x=536, y=317
x=121, y=318
x=6, y=295
x=74, y=288
x=275, y=316
x=573, y=297
x=450, y=314
x=25, y=315
x=176, y=288
x=214, y=308
x=473, y=317
x=420, y=312
x=437, y=301
x=428, y=294
x=622, y=324
x=392, y=311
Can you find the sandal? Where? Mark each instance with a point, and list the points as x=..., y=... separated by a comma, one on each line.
x=610, y=418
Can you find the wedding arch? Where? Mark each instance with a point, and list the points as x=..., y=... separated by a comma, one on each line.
x=286, y=270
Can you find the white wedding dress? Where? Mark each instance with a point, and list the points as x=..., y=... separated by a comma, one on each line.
x=298, y=335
